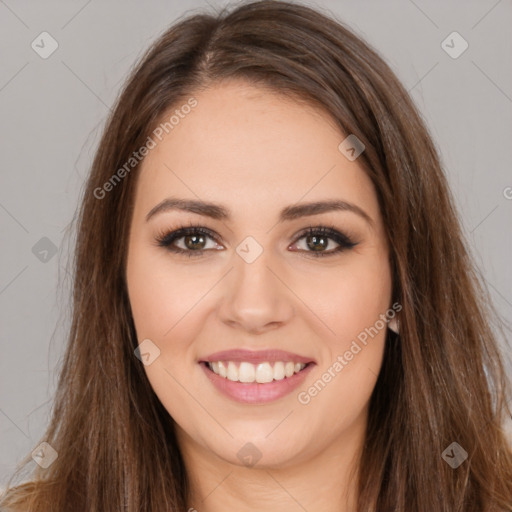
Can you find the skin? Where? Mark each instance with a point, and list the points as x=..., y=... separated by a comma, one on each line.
x=256, y=152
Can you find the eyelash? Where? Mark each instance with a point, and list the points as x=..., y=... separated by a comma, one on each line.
x=166, y=238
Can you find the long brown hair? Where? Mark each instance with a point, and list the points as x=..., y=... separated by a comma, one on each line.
x=442, y=378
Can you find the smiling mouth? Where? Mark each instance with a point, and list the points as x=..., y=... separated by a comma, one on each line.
x=249, y=373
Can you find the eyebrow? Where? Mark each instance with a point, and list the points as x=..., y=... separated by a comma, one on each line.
x=219, y=212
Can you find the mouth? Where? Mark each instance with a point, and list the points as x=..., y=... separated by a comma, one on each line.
x=256, y=377
x=262, y=373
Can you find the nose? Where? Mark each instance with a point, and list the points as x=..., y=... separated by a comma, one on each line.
x=256, y=298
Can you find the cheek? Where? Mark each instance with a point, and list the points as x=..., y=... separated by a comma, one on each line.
x=161, y=296
x=349, y=298
x=165, y=310
x=351, y=302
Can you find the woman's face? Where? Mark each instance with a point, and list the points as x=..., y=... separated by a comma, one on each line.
x=255, y=282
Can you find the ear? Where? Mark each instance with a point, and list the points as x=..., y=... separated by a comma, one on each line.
x=394, y=324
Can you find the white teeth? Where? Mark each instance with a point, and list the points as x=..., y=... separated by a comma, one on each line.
x=261, y=373
x=279, y=370
x=289, y=368
x=264, y=373
x=246, y=372
x=223, y=372
x=232, y=371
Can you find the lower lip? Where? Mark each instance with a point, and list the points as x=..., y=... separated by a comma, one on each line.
x=254, y=392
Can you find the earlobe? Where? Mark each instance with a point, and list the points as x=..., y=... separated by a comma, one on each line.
x=394, y=325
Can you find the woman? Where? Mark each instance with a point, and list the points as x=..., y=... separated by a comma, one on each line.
x=274, y=306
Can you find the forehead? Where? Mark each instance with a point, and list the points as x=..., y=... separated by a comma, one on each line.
x=255, y=150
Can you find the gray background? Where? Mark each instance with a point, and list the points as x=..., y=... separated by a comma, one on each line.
x=52, y=111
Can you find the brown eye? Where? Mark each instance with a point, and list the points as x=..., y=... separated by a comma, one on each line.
x=318, y=240
x=195, y=241
x=317, y=243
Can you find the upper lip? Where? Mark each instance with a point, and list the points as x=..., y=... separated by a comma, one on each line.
x=260, y=356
